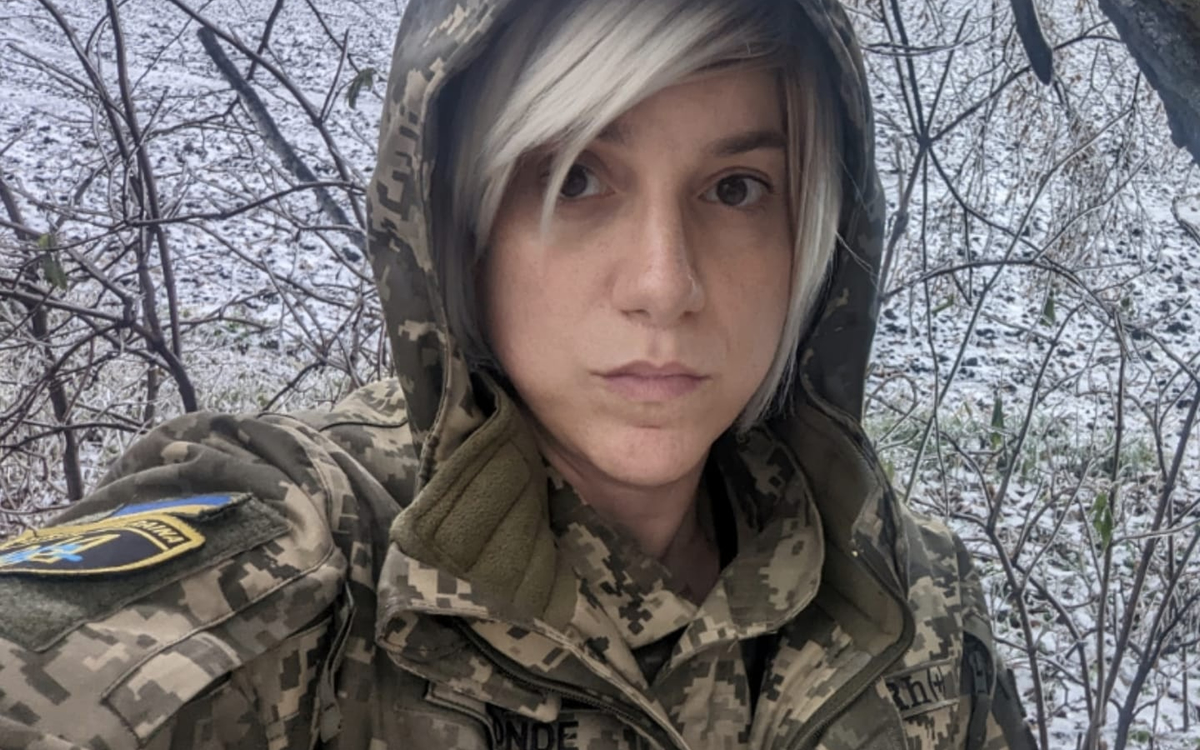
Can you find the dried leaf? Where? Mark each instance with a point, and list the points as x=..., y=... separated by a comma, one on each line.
x=1049, y=315
x=1102, y=519
x=365, y=77
x=53, y=271
x=997, y=435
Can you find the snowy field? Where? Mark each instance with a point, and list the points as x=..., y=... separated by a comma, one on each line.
x=1034, y=380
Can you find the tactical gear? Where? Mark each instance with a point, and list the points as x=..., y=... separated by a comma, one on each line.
x=404, y=571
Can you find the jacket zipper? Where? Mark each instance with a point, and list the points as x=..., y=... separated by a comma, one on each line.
x=631, y=718
x=824, y=716
x=841, y=700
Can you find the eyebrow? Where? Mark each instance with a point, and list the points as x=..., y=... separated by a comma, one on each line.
x=615, y=132
x=749, y=141
x=618, y=133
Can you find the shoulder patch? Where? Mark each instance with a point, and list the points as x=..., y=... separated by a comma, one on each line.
x=64, y=576
x=130, y=538
x=113, y=545
x=187, y=507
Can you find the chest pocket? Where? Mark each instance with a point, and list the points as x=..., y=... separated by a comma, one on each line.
x=444, y=718
x=870, y=723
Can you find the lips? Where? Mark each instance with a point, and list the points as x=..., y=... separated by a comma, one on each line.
x=648, y=382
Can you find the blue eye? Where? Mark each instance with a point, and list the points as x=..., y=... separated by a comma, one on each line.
x=737, y=191
x=580, y=182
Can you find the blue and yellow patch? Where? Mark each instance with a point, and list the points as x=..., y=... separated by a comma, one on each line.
x=188, y=507
x=131, y=538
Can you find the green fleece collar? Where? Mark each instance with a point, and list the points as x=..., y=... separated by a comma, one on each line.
x=483, y=518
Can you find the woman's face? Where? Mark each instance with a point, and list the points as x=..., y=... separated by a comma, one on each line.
x=639, y=325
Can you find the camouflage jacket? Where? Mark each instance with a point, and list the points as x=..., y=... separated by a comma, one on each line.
x=404, y=572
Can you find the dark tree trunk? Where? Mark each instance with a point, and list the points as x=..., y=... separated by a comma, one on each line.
x=1164, y=37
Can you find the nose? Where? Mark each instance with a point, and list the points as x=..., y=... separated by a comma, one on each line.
x=657, y=279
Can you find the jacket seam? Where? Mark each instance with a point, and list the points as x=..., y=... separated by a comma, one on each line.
x=361, y=423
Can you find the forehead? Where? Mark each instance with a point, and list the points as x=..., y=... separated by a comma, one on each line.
x=712, y=104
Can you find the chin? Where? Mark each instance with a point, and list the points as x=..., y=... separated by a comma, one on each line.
x=650, y=457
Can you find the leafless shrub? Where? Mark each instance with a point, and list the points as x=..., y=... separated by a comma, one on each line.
x=1037, y=383
x=178, y=234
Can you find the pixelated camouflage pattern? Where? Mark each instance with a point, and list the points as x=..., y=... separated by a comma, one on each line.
x=391, y=616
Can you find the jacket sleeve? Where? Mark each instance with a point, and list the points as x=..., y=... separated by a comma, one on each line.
x=997, y=720
x=228, y=645
x=281, y=700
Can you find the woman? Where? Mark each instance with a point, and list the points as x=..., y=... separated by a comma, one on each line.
x=618, y=495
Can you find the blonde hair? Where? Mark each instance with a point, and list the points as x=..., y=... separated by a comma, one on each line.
x=563, y=71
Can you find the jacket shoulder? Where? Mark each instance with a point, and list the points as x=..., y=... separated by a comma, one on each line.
x=371, y=424
x=943, y=588
x=952, y=686
x=110, y=652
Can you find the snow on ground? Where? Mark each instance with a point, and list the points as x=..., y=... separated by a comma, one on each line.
x=1078, y=190
x=210, y=163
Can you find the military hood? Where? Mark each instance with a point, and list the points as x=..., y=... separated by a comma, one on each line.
x=438, y=40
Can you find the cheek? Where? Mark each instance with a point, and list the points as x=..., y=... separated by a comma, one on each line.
x=529, y=309
x=766, y=318
x=506, y=301
x=756, y=291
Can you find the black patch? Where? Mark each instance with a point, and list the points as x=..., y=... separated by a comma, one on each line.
x=113, y=545
x=516, y=732
x=52, y=606
x=133, y=537
x=925, y=687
